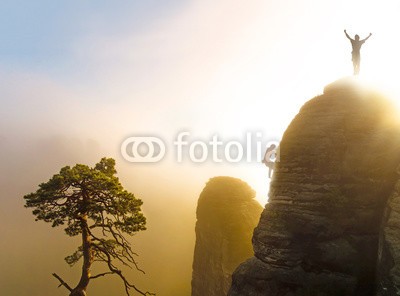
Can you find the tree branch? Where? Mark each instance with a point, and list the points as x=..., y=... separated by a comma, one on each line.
x=101, y=274
x=113, y=269
x=62, y=283
x=125, y=254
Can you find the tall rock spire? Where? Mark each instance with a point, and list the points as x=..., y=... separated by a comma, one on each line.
x=226, y=216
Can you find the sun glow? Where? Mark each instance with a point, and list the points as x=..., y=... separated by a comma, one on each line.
x=259, y=181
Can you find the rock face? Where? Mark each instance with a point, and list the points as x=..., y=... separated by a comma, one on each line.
x=319, y=233
x=226, y=216
x=389, y=247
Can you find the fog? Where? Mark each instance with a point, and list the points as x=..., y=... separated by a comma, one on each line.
x=77, y=79
x=31, y=251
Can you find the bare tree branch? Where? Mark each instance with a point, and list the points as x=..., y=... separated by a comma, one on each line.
x=101, y=274
x=124, y=255
x=113, y=269
x=62, y=282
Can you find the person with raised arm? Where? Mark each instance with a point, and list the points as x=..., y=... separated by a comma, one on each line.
x=356, y=44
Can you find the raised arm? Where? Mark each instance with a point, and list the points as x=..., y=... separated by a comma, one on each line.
x=370, y=34
x=347, y=35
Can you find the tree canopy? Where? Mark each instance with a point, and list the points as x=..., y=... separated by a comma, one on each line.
x=91, y=203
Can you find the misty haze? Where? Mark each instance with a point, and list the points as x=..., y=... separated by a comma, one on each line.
x=288, y=180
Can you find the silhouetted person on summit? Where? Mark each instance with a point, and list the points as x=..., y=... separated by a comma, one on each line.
x=356, y=43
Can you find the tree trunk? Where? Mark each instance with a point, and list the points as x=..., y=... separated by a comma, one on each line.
x=76, y=292
x=80, y=289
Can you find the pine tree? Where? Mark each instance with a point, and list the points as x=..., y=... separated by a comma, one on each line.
x=91, y=203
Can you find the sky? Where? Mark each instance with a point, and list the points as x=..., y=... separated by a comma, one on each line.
x=78, y=78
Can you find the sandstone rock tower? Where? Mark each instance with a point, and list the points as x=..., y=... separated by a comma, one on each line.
x=329, y=228
x=226, y=216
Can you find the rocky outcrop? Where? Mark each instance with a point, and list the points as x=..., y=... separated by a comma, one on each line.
x=389, y=247
x=319, y=233
x=226, y=216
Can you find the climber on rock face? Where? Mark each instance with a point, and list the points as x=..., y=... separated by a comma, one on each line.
x=270, y=157
x=356, y=43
